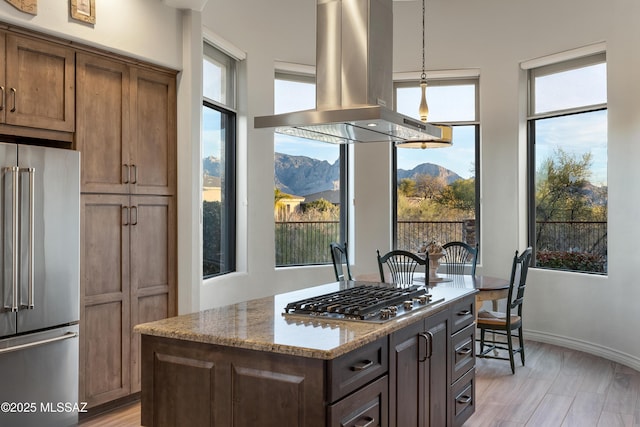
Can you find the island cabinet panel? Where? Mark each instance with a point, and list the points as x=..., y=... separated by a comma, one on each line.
x=187, y=383
x=418, y=373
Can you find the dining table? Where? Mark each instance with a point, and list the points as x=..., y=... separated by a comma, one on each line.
x=489, y=288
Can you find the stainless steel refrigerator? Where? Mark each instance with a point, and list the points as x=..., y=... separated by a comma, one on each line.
x=40, y=257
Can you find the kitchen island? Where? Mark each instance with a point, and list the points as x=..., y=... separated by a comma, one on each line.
x=249, y=364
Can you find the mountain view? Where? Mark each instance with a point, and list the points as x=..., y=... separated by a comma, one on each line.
x=301, y=175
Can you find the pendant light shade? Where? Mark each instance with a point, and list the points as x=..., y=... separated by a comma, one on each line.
x=423, y=110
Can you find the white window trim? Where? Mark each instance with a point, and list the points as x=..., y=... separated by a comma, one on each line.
x=567, y=55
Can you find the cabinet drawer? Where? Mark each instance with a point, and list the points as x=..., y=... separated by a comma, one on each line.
x=463, y=352
x=463, y=398
x=463, y=313
x=366, y=407
x=355, y=369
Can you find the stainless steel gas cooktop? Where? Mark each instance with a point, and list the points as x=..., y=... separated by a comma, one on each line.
x=369, y=303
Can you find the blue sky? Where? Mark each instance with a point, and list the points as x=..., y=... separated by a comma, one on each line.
x=574, y=134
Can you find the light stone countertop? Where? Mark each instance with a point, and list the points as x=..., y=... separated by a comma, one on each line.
x=260, y=324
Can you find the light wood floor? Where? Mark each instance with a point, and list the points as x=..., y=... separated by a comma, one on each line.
x=558, y=387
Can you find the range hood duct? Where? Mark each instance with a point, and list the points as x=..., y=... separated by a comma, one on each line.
x=354, y=80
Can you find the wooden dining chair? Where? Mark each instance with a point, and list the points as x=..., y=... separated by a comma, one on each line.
x=401, y=265
x=340, y=260
x=503, y=324
x=459, y=255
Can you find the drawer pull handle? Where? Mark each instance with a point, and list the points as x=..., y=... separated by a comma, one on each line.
x=368, y=421
x=463, y=351
x=428, y=338
x=366, y=364
x=464, y=313
x=464, y=400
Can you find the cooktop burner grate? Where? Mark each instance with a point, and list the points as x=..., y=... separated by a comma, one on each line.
x=362, y=303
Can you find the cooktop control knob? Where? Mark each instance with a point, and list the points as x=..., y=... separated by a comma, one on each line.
x=408, y=305
x=393, y=309
x=385, y=313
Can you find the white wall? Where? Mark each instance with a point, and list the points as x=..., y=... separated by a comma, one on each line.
x=588, y=312
x=144, y=29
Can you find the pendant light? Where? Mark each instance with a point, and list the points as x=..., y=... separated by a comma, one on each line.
x=423, y=109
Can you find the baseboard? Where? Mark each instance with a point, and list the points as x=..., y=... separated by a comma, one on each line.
x=632, y=362
x=109, y=406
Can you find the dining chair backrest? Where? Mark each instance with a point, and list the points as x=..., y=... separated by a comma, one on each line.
x=459, y=255
x=402, y=266
x=340, y=260
x=502, y=324
x=518, y=282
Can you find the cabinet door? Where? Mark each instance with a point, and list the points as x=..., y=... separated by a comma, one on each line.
x=3, y=65
x=437, y=372
x=104, y=299
x=153, y=269
x=40, y=79
x=407, y=391
x=153, y=124
x=102, y=134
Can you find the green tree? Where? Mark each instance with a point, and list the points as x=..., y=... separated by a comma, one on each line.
x=560, y=187
x=460, y=195
x=407, y=187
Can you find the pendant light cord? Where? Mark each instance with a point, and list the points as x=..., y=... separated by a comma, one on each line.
x=423, y=76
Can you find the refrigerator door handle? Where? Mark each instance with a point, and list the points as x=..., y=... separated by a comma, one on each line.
x=31, y=235
x=14, y=170
x=66, y=336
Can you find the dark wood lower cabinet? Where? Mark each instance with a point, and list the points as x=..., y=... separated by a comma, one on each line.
x=418, y=373
x=421, y=375
x=194, y=384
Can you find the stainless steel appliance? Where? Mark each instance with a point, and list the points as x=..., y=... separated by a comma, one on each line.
x=40, y=244
x=354, y=81
x=365, y=302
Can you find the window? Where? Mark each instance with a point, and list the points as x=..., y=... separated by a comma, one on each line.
x=310, y=178
x=437, y=189
x=567, y=136
x=218, y=163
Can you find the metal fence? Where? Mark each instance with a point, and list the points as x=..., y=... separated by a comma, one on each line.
x=307, y=242
x=411, y=234
x=572, y=236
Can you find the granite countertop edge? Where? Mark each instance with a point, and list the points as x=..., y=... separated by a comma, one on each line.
x=189, y=327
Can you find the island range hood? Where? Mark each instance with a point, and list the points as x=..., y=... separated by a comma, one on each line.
x=354, y=80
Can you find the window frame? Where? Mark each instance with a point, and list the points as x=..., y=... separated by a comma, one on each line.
x=303, y=77
x=228, y=111
x=439, y=82
x=532, y=118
